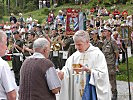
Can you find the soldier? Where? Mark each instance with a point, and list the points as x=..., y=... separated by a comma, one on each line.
x=96, y=40
x=39, y=31
x=28, y=48
x=103, y=37
x=111, y=52
x=55, y=46
x=71, y=49
x=65, y=42
x=17, y=55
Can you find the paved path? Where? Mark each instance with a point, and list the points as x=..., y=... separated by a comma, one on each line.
x=122, y=86
x=123, y=91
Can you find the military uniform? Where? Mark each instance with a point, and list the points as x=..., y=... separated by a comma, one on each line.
x=71, y=49
x=110, y=49
x=54, y=54
x=30, y=46
x=97, y=43
x=67, y=41
x=17, y=60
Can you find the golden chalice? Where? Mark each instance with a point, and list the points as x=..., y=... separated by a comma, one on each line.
x=77, y=68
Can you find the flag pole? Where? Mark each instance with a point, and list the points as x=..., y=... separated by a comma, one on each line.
x=128, y=75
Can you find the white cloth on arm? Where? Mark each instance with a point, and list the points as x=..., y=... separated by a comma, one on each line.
x=7, y=80
x=52, y=78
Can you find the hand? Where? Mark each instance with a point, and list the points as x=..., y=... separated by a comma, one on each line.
x=24, y=47
x=46, y=36
x=85, y=68
x=15, y=46
x=61, y=75
x=116, y=62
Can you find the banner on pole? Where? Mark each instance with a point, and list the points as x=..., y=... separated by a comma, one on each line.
x=72, y=21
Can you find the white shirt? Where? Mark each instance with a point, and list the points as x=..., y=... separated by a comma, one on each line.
x=7, y=80
x=29, y=19
x=129, y=23
x=7, y=28
x=117, y=22
x=111, y=21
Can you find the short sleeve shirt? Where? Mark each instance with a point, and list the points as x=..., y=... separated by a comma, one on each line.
x=7, y=80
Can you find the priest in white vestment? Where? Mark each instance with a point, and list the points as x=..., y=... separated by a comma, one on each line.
x=92, y=60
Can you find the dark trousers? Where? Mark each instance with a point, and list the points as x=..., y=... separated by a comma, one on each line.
x=16, y=64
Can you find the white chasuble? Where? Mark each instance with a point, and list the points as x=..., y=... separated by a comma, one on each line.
x=73, y=84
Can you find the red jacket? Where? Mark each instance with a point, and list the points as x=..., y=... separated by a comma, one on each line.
x=116, y=13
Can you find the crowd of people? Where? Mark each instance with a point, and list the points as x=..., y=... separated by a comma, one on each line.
x=97, y=49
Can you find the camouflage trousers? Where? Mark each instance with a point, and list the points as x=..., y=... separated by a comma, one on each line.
x=112, y=79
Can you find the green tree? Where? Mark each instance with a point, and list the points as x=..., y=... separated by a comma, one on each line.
x=1, y=10
x=30, y=6
x=35, y=2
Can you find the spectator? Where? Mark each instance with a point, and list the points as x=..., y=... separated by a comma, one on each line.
x=21, y=18
x=116, y=12
x=92, y=21
x=129, y=21
x=60, y=17
x=29, y=19
x=124, y=14
x=97, y=22
x=104, y=12
x=13, y=18
x=50, y=19
x=111, y=20
x=117, y=38
x=92, y=10
x=117, y=21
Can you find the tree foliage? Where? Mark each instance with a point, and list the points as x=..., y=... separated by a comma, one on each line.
x=1, y=9
x=30, y=6
x=17, y=6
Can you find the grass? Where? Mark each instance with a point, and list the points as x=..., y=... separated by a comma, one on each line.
x=41, y=14
x=123, y=75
